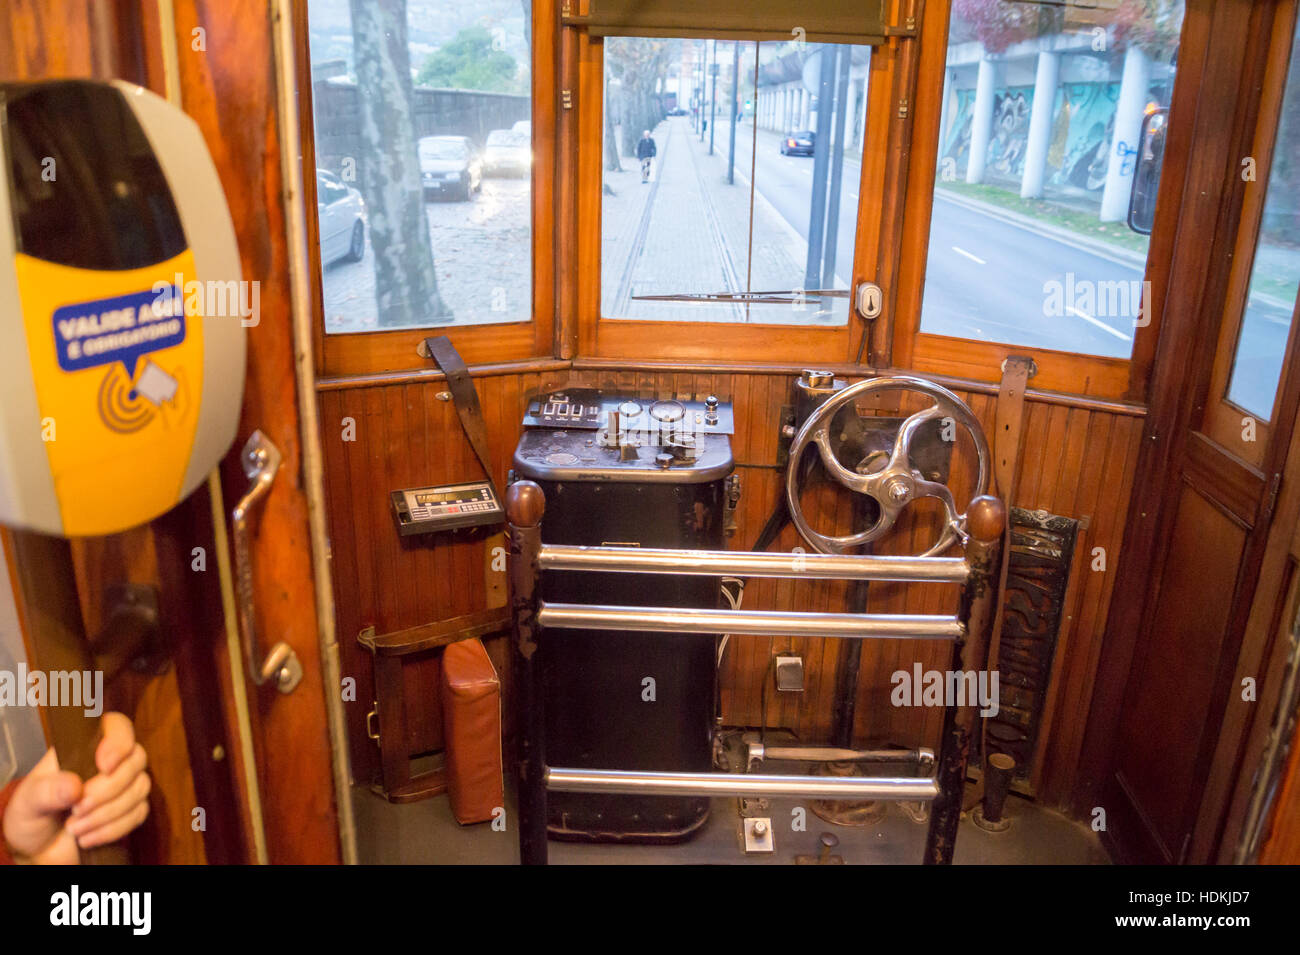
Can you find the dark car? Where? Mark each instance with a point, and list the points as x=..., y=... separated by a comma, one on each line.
x=798, y=143
x=450, y=166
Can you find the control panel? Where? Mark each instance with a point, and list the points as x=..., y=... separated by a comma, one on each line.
x=427, y=510
x=589, y=409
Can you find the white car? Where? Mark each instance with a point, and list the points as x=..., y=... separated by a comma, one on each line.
x=342, y=219
x=507, y=153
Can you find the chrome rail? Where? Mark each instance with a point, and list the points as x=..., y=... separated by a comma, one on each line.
x=852, y=626
x=969, y=632
x=645, y=560
x=645, y=783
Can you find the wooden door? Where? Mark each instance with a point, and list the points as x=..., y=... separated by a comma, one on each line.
x=1172, y=706
x=258, y=763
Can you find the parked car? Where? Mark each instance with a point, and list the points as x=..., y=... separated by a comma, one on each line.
x=450, y=166
x=342, y=214
x=507, y=153
x=524, y=127
x=798, y=143
x=677, y=111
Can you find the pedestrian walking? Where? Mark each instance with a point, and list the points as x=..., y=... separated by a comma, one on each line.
x=646, y=150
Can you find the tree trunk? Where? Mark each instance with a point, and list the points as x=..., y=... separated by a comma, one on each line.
x=611, y=140
x=406, y=286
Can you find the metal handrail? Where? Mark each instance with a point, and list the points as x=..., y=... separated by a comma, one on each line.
x=645, y=560
x=762, y=623
x=970, y=632
x=646, y=783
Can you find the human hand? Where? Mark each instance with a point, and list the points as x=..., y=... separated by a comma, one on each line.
x=52, y=813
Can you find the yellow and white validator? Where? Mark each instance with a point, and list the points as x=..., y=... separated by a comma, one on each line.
x=122, y=308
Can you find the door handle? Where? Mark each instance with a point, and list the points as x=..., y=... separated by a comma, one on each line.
x=261, y=460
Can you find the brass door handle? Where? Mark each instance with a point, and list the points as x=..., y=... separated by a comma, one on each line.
x=261, y=461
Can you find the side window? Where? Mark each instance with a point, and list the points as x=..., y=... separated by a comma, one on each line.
x=437, y=231
x=1275, y=272
x=1043, y=109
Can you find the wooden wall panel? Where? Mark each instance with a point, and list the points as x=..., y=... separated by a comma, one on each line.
x=1076, y=463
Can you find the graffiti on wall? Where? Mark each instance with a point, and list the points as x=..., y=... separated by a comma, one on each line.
x=1083, y=121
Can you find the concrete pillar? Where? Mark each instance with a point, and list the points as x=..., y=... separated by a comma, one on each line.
x=1129, y=112
x=981, y=128
x=1040, y=125
x=945, y=113
x=862, y=115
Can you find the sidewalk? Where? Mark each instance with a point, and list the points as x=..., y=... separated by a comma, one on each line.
x=688, y=231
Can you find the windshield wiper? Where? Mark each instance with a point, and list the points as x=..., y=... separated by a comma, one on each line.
x=789, y=297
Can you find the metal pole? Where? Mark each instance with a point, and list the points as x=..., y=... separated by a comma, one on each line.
x=735, y=105
x=704, y=87
x=653, y=783
x=821, y=156
x=713, y=99
x=987, y=522
x=849, y=663
x=766, y=623
x=735, y=563
x=843, y=54
x=525, y=504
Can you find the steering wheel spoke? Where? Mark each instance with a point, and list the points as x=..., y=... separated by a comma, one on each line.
x=898, y=482
x=850, y=479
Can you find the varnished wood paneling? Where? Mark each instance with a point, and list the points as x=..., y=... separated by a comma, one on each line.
x=1078, y=463
x=1179, y=665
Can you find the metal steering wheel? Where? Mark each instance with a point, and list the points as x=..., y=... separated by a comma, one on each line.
x=895, y=484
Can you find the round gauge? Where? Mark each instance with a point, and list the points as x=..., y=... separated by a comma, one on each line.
x=667, y=411
x=629, y=409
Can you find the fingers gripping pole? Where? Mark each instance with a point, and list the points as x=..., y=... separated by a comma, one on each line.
x=525, y=504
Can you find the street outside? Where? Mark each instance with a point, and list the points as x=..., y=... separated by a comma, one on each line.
x=481, y=252
x=988, y=278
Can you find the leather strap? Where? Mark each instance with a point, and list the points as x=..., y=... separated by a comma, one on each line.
x=1009, y=417
x=1009, y=420
x=465, y=397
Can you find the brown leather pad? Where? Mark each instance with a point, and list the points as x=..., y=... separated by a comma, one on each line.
x=471, y=710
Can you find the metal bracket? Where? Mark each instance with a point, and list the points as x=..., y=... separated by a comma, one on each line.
x=758, y=834
x=131, y=635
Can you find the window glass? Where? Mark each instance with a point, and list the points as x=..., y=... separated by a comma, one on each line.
x=1275, y=272
x=1043, y=107
x=721, y=159
x=422, y=223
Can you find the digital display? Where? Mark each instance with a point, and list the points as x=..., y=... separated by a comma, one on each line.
x=440, y=497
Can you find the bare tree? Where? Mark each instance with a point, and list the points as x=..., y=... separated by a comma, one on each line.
x=641, y=66
x=406, y=286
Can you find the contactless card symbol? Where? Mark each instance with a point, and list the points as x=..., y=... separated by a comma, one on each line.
x=126, y=406
x=119, y=329
x=156, y=386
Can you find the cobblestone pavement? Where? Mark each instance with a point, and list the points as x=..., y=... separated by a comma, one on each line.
x=481, y=253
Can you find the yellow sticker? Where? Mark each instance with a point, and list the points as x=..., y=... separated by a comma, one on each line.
x=117, y=358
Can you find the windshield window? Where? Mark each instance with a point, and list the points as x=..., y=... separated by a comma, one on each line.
x=442, y=150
